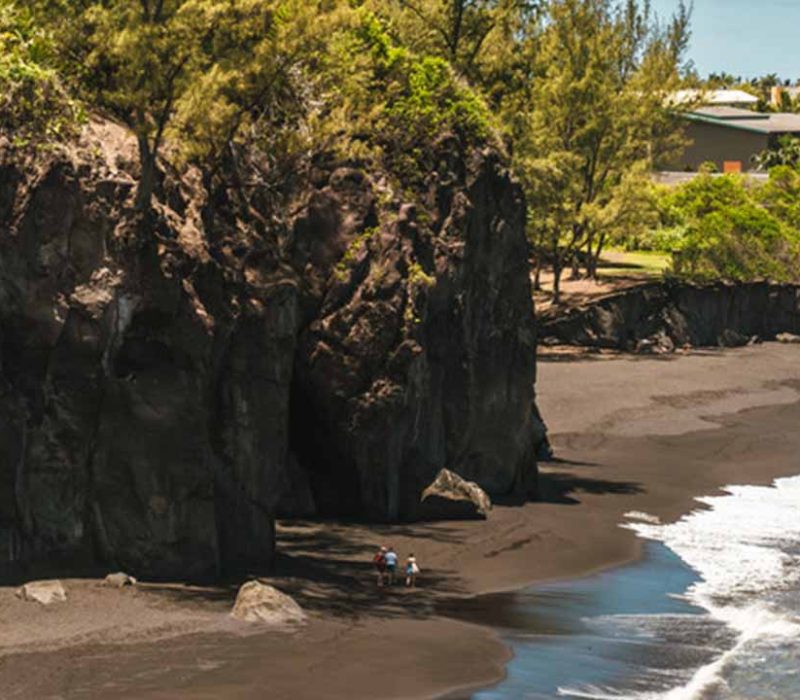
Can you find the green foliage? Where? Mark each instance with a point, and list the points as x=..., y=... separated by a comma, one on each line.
x=742, y=242
x=664, y=239
x=418, y=278
x=578, y=88
x=350, y=256
x=708, y=167
x=192, y=71
x=592, y=116
x=781, y=195
x=787, y=153
x=381, y=93
x=286, y=78
x=33, y=101
x=724, y=228
x=473, y=36
x=434, y=99
x=702, y=196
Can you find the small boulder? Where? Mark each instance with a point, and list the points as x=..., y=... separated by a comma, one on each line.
x=787, y=338
x=657, y=344
x=450, y=497
x=729, y=338
x=44, y=592
x=258, y=602
x=118, y=580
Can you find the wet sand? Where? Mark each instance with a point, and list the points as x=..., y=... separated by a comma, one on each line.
x=631, y=433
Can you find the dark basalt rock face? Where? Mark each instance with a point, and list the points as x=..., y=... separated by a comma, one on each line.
x=143, y=386
x=420, y=354
x=674, y=314
x=167, y=387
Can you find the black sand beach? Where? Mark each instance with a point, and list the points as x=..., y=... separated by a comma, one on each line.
x=631, y=433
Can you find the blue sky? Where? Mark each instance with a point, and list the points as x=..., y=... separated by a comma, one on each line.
x=743, y=37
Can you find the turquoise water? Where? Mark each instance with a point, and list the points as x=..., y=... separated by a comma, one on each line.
x=711, y=612
x=587, y=633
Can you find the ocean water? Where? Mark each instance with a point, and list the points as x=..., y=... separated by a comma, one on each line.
x=711, y=612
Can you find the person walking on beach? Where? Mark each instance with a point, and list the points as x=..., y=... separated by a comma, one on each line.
x=379, y=561
x=412, y=569
x=391, y=564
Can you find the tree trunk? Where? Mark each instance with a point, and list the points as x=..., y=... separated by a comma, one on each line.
x=593, y=261
x=557, y=269
x=576, y=266
x=144, y=190
x=537, y=275
x=591, y=265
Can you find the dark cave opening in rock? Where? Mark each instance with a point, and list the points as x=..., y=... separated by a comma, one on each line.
x=314, y=450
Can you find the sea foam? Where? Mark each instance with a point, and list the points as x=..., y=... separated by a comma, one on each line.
x=744, y=545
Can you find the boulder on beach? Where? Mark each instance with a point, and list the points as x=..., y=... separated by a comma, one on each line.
x=657, y=344
x=119, y=580
x=44, y=592
x=450, y=497
x=259, y=602
x=729, y=338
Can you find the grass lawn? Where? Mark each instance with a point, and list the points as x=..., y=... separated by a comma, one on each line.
x=618, y=270
x=616, y=263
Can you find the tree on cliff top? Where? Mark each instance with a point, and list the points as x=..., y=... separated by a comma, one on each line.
x=142, y=59
x=466, y=33
x=381, y=100
x=287, y=77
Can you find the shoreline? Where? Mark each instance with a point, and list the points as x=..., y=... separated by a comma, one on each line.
x=631, y=433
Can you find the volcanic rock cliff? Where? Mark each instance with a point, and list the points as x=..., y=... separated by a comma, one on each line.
x=168, y=385
x=676, y=314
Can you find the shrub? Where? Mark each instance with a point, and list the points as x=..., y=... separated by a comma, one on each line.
x=740, y=243
x=398, y=102
x=724, y=228
x=33, y=101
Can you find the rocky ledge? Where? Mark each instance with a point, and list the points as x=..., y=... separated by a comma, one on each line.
x=168, y=384
x=660, y=317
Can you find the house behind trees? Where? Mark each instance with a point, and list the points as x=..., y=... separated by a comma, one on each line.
x=727, y=132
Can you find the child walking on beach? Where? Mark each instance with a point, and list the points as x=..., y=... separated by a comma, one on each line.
x=391, y=564
x=411, y=571
x=379, y=561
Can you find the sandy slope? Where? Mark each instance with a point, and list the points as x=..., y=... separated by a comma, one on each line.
x=631, y=434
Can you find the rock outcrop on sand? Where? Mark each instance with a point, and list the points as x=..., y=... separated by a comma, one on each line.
x=450, y=497
x=43, y=592
x=168, y=383
x=119, y=580
x=657, y=318
x=258, y=602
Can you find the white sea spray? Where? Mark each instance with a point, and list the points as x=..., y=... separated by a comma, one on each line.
x=744, y=545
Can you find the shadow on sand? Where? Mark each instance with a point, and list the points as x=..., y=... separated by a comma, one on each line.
x=328, y=571
x=560, y=487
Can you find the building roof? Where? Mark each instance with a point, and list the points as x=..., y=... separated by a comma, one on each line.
x=723, y=112
x=713, y=97
x=774, y=123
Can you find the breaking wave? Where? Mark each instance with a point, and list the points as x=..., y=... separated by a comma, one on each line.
x=745, y=547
